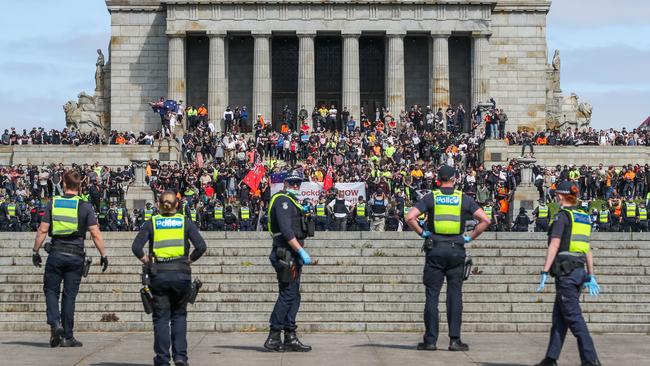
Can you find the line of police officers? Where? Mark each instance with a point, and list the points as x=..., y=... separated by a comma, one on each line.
x=168, y=260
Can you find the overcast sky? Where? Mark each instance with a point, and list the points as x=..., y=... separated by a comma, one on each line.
x=47, y=56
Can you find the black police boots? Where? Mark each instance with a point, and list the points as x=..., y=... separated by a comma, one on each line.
x=547, y=362
x=56, y=334
x=181, y=363
x=426, y=347
x=293, y=344
x=71, y=343
x=458, y=345
x=274, y=342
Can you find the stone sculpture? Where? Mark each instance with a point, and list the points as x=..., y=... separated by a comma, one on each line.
x=83, y=114
x=99, y=72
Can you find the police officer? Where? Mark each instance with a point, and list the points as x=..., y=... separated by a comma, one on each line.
x=361, y=215
x=122, y=219
x=218, y=222
x=568, y=254
x=488, y=208
x=629, y=215
x=322, y=220
x=604, y=219
x=522, y=221
x=447, y=210
x=102, y=218
x=244, y=218
x=378, y=210
x=169, y=235
x=230, y=220
x=148, y=211
x=340, y=211
x=541, y=214
x=66, y=220
x=287, y=257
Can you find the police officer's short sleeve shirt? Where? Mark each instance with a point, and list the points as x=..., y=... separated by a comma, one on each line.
x=87, y=218
x=468, y=208
x=561, y=223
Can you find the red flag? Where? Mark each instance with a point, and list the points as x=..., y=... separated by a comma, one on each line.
x=328, y=182
x=254, y=177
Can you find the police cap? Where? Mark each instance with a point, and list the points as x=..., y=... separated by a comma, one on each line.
x=294, y=176
x=445, y=173
x=566, y=187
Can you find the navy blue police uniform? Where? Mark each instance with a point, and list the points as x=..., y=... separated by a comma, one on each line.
x=169, y=238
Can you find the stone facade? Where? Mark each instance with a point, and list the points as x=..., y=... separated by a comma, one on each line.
x=497, y=48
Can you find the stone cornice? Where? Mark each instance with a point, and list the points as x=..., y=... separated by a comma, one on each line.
x=133, y=5
x=330, y=2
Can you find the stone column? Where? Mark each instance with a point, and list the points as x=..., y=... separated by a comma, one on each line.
x=176, y=67
x=480, y=68
x=306, y=70
x=351, y=89
x=395, y=93
x=217, y=80
x=440, y=71
x=262, y=76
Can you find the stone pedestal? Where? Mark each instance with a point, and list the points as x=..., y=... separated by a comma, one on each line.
x=139, y=192
x=526, y=194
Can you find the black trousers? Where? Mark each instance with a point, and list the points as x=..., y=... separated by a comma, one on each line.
x=66, y=268
x=171, y=291
x=287, y=305
x=443, y=262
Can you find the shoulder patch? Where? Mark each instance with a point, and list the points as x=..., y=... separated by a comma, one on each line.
x=285, y=205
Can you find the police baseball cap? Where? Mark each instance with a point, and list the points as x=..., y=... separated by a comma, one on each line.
x=294, y=176
x=445, y=173
x=566, y=187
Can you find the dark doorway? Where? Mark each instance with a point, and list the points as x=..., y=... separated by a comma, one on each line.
x=284, y=67
x=329, y=67
x=196, y=70
x=460, y=75
x=416, y=71
x=240, y=73
x=372, y=74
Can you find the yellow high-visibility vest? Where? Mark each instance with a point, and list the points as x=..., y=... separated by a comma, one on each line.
x=603, y=217
x=320, y=210
x=542, y=212
x=11, y=210
x=630, y=209
x=447, y=213
x=643, y=214
x=245, y=213
x=580, y=231
x=65, y=216
x=218, y=213
x=148, y=214
x=361, y=210
x=168, y=236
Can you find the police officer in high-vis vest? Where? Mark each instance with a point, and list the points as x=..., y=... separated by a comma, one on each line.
x=604, y=219
x=169, y=235
x=217, y=217
x=66, y=220
x=567, y=256
x=322, y=220
x=361, y=215
x=630, y=217
x=542, y=217
x=447, y=211
x=244, y=218
x=285, y=224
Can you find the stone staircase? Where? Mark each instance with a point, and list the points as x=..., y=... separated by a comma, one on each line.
x=364, y=282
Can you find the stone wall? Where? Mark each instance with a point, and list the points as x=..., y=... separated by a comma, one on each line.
x=138, y=53
x=497, y=152
x=109, y=155
x=518, y=57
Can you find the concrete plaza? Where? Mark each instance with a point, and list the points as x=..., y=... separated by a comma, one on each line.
x=359, y=349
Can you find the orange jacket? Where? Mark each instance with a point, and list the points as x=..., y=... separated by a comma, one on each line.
x=202, y=111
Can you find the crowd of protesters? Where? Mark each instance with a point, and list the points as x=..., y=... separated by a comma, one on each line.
x=395, y=157
x=588, y=137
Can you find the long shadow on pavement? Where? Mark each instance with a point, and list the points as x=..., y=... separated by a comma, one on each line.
x=30, y=344
x=393, y=346
x=245, y=348
x=119, y=364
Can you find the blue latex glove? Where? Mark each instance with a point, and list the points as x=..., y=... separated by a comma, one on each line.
x=467, y=238
x=425, y=234
x=592, y=286
x=306, y=259
x=422, y=223
x=542, y=281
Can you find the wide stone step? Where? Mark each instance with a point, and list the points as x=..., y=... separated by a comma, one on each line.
x=329, y=278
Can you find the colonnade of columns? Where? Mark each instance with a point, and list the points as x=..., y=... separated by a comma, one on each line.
x=262, y=90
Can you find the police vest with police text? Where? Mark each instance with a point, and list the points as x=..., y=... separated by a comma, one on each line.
x=446, y=215
x=603, y=217
x=320, y=210
x=361, y=210
x=245, y=213
x=168, y=236
x=580, y=232
x=218, y=213
x=630, y=209
x=542, y=212
x=643, y=214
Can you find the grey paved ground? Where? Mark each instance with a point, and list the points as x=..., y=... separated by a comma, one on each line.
x=358, y=349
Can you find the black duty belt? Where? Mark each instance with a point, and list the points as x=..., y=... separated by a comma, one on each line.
x=179, y=265
x=448, y=244
x=69, y=249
